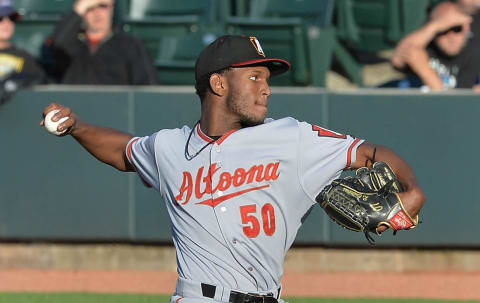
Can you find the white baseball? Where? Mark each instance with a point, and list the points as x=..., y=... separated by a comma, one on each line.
x=51, y=126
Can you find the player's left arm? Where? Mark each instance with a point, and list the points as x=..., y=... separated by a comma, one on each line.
x=413, y=197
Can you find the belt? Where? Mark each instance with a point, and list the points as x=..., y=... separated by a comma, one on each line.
x=239, y=297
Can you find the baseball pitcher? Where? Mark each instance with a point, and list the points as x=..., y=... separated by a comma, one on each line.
x=238, y=185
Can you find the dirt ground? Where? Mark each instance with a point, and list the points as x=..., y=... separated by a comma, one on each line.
x=327, y=272
x=445, y=285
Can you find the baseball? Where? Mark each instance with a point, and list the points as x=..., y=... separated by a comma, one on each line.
x=51, y=126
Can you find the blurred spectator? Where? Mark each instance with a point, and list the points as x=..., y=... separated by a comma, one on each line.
x=87, y=50
x=471, y=7
x=17, y=67
x=437, y=53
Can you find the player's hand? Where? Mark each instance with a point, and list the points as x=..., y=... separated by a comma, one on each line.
x=412, y=201
x=69, y=124
x=81, y=7
x=381, y=229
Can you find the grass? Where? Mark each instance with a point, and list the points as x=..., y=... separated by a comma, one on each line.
x=13, y=297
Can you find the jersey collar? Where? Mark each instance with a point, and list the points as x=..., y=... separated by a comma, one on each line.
x=207, y=139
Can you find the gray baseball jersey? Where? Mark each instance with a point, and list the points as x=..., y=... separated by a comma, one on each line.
x=236, y=206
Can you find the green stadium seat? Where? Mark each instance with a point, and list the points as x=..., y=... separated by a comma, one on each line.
x=151, y=20
x=373, y=26
x=176, y=58
x=174, y=33
x=309, y=11
x=200, y=11
x=171, y=17
x=298, y=31
x=44, y=10
x=31, y=36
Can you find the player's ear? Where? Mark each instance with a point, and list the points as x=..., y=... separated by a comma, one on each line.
x=218, y=84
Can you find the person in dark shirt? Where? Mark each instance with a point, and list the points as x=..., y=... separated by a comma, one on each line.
x=472, y=8
x=15, y=62
x=87, y=50
x=18, y=69
x=437, y=53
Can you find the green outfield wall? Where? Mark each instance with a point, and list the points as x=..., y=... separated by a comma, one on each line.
x=53, y=190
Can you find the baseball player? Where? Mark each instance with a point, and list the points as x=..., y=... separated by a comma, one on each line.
x=237, y=185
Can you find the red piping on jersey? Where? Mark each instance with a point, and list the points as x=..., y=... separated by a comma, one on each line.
x=129, y=150
x=209, y=140
x=349, y=153
x=215, y=202
x=129, y=153
x=202, y=135
x=219, y=141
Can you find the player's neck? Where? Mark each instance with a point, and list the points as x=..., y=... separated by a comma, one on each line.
x=215, y=121
x=215, y=128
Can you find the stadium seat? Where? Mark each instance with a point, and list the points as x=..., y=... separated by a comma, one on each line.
x=372, y=26
x=202, y=11
x=298, y=31
x=310, y=11
x=45, y=10
x=174, y=32
x=169, y=17
x=31, y=36
x=176, y=57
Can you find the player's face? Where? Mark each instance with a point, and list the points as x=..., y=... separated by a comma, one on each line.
x=99, y=18
x=247, y=98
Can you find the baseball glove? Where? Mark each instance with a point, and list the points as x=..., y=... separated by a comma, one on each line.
x=367, y=200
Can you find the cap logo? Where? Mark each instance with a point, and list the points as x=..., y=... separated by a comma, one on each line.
x=257, y=46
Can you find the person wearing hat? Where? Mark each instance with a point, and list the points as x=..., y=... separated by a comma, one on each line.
x=15, y=63
x=237, y=185
x=87, y=49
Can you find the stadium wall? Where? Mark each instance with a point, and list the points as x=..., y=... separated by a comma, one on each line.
x=53, y=190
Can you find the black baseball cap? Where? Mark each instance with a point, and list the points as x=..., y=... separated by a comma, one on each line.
x=235, y=51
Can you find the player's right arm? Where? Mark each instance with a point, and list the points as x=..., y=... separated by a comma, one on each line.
x=105, y=144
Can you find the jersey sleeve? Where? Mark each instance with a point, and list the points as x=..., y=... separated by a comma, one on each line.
x=140, y=152
x=323, y=155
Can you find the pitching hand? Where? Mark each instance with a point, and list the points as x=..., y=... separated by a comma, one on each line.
x=63, y=111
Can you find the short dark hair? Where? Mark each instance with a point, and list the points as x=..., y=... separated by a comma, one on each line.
x=203, y=85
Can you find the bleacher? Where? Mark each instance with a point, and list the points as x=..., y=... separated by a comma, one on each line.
x=308, y=33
